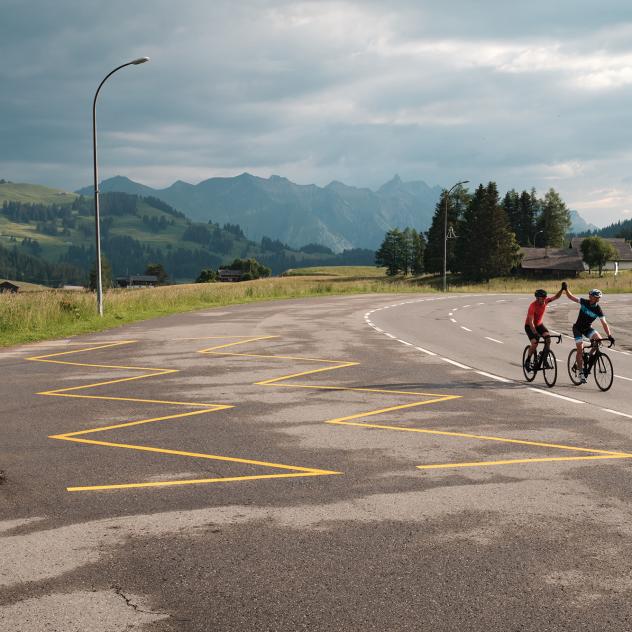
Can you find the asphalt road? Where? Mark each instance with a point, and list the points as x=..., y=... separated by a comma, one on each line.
x=349, y=463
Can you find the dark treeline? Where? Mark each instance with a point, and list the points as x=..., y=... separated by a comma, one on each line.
x=484, y=232
x=618, y=229
x=130, y=256
x=217, y=244
x=19, y=266
x=24, y=212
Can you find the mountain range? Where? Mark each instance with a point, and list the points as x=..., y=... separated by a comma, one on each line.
x=337, y=216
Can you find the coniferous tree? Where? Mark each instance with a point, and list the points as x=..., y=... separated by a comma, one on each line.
x=529, y=211
x=389, y=253
x=106, y=274
x=486, y=245
x=419, y=247
x=554, y=219
x=511, y=204
x=434, y=252
x=406, y=250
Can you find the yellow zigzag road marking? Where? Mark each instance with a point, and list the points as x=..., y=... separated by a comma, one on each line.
x=296, y=471
x=153, y=372
x=595, y=454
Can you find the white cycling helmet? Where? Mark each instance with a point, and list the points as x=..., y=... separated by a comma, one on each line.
x=595, y=292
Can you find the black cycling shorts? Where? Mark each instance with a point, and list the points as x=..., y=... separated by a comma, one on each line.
x=541, y=329
x=579, y=333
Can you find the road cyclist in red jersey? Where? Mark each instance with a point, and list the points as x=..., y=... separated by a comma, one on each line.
x=534, y=323
x=589, y=310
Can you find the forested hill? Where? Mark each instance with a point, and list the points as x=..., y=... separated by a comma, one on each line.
x=54, y=243
x=337, y=216
x=618, y=229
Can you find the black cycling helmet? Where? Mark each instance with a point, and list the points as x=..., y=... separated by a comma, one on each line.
x=540, y=293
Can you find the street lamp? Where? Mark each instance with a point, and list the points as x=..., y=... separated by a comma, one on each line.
x=445, y=235
x=534, y=236
x=135, y=62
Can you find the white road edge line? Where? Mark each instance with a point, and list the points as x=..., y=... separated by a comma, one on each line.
x=551, y=394
x=621, y=377
x=494, y=377
x=500, y=342
x=425, y=351
x=461, y=366
x=453, y=320
x=466, y=329
x=616, y=412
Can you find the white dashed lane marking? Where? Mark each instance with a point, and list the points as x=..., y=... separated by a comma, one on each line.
x=484, y=373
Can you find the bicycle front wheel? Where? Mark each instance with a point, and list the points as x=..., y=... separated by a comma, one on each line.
x=549, y=368
x=603, y=372
x=573, y=372
x=529, y=374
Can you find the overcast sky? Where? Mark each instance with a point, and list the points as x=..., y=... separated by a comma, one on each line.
x=529, y=94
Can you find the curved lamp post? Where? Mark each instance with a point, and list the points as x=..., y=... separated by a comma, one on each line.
x=445, y=235
x=135, y=62
x=535, y=237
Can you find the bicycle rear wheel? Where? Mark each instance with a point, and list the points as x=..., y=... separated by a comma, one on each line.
x=549, y=368
x=573, y=371
x=530, y=373
x=603, y=372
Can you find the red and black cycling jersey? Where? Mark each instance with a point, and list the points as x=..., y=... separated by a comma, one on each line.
x=536, y=310
x=587, y=313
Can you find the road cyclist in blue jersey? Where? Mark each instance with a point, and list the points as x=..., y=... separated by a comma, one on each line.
x=589, y=311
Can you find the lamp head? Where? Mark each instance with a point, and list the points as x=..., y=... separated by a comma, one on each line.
x=140, y=60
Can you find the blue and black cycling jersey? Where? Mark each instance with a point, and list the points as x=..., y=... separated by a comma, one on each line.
x=587, y=313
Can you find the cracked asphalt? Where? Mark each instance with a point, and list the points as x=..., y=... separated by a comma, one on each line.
x=417, y=495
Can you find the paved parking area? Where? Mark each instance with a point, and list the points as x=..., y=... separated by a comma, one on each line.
x=282, y=466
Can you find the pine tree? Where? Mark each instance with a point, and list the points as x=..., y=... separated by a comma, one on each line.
x=419, y=247
x=486, y=245
x=529, y=211
x=511, y=204
x=106, y=274
x=406, y=250
x=434, y=251
x=389, y=253
x=554, y=219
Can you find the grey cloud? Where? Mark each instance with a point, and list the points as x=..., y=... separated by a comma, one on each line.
x=316, y=91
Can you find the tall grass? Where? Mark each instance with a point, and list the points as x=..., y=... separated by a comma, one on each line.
x=43, y=315
x=32, y=316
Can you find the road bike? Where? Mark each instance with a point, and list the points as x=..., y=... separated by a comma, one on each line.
x=543, y=360
x=595, y=360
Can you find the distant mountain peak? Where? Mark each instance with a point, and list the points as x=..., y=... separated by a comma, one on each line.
x=338, y=216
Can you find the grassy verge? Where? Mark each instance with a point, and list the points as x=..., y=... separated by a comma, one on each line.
x=358, y=272
x=31, y=316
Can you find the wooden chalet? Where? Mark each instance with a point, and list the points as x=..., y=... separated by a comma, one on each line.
x=9, y=288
